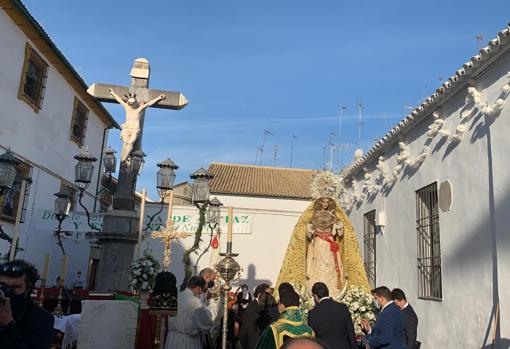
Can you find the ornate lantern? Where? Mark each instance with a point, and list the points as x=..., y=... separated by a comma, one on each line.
x=109, y=161
x=228, y=269
x=7, y=171
x=213, y=211
x=62, y=204
x=200, y=185
x=136, y=161
x=166, y=177
x=83, y=170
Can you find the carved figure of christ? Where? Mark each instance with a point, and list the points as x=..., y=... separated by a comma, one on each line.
x=134, y=112
x=138, y=98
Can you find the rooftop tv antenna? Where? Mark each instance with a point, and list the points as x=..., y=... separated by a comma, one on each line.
x=330, y=150
x=340, y=119
x=276, y=150
x=260, y=149
x=359, y=106
x=292, y=149
x=342, y=148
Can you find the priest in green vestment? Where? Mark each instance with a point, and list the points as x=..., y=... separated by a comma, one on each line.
x=289, y=325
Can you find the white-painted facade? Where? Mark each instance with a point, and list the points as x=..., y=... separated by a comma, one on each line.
x=42, y=140
x=261, y=242
x=474, y=234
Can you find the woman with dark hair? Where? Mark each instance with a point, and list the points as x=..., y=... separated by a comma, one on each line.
x=256, y=317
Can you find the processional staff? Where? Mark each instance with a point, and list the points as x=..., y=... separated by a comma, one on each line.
x=228, y=269
x=169, y=234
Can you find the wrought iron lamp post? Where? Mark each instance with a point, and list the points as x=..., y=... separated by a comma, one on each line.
x=136, y=161
x=7, y=171
x=200, y=188
x=109, y=161
x=165, y=181
x=83, y=171
x=166, y=177
x=62, y=207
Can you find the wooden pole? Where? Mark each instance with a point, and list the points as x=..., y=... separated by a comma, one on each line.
x=230, y=224
x=63, y=269
x=44, y=275
x=140, y=224
x=169, y=217
x=17, y=222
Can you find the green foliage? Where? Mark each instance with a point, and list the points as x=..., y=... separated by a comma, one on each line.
x=186, y=258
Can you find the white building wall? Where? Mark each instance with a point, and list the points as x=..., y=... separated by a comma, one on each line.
x=43, y=139
x=261, y=251
x=475, y=253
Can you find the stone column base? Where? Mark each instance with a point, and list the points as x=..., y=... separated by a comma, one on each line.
x=118, y=240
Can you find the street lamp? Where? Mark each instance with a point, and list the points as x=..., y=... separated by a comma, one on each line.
x=83, y=171
x=166, y=177
x=136, y=161
x=62, y=207
x=165, y=182
x=109, y=161
x=7, y=171
x=213, y=213
x=200, y=186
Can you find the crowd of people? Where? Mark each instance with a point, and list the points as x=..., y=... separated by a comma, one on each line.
x=256, y=321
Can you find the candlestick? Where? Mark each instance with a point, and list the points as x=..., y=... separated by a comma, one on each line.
x=46, y=267
x=169, y=218
x=230, y=224
x=63, y=269
x=140, y=224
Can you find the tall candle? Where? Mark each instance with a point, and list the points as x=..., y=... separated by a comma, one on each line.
x=44, y=276
x=170, y=207
x=140, y=224
x=230, y=224
x=63, y=269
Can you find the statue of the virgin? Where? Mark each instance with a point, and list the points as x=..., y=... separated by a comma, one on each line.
x=323, y=247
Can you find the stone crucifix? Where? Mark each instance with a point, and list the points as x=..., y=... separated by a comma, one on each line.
x=135, y=99
x=119, y=234
x=169, y=234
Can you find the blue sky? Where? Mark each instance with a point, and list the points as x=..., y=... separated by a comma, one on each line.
x=286, y=66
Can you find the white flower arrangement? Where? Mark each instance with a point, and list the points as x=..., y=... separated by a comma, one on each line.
x=360, y=306
x=358, y=301
x=143, y=272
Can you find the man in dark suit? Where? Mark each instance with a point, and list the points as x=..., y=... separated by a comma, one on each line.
x=388, y=331
x=410, y=317
x=330, y=320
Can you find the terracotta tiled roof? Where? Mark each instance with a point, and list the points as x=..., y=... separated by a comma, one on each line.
x=251, y=180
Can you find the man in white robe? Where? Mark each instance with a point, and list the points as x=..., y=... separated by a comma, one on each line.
x=194, y=318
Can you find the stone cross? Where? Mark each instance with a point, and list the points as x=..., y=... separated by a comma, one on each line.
x=120, y=225
x=135, y=99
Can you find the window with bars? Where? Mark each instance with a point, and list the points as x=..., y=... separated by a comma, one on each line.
x=79, y=122
x=10, y=201
x=429, y=251
x=370, y=247
x=33, y=79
